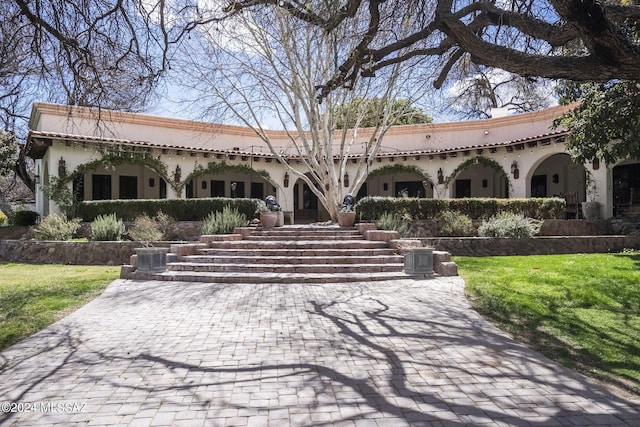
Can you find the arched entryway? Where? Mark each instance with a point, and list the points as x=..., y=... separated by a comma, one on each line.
x=556, y=176
x=306, y=207
x=398, y=181
x=626, y=186
x=479, y=177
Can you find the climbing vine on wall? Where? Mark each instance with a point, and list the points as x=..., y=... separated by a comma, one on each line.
x=215, y=168
x=398, y=168
x=490, y=163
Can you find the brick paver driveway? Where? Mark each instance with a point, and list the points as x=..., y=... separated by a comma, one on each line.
x=385, y=353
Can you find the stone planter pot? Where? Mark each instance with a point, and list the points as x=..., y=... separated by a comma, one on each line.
x=280, y=221
x=591, y=210
x=152, y=260
x=346, y=219
x=419, y=261
x=268, y=219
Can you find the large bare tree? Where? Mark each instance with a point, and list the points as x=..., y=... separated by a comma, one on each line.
x=262, y=67
x=525, y=37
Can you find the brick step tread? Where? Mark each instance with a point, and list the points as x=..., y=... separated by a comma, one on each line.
x=250, y=278
x=286, y=268
x=297, y=252
x=303, y=232
x=294, y=237
x=299, y=244
x=288, y=259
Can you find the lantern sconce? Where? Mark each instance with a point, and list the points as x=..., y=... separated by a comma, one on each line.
x=346, y=179
x=440, y=176
x=514, y=170
x=286, y=179
x=485, y=183
x=36, y=179
x=152, y=182
x=204, y=185
x=595, y=163
x=177, y=174
x=555, y=178
x=62, y=167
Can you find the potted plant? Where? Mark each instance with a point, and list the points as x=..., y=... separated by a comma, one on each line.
x=269, y=213
x=150, y=259
x=591, y=208
x=346, y=216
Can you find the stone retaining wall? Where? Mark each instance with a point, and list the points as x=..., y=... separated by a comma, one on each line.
x=73, y=253
x=486, y=246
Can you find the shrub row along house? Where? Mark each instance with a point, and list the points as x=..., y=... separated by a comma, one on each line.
x=102, y=154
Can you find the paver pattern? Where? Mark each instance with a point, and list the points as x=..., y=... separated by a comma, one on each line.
x=395, y=353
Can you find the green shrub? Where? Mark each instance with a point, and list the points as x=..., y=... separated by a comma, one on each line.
x=455, y=224
x=178, y=209
x=370, y=208
x=145, y=229
x=56, y=227
x=393, y=221
x=509, y=225
x=107, y=228
x=26, y=218
x=223, y=222
x=3, y=218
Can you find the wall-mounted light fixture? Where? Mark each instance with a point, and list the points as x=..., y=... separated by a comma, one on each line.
x=152, y=182
x=177, y=174
x=595, y=163
x=385, y=187
x=36, y=179
x=514, y=170
x=485, y=183
x=286, y=179
x=204, y=185
x=234, y=187
x=486, y=132
x=440, y=176
x=346, y=179
x=62, y=167
x=555, y=178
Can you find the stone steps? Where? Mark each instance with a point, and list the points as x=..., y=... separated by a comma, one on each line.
x=289, y=258
x=290, y=254
x=316, y=268
x=249, y=278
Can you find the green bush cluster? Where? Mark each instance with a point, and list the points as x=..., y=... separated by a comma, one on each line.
x=454, y=223
x=26, y=218
x=178, y=209
x=107, y=228
x=506, y=224
x=56, y=227
x=371, y=208
x=224, y=222
x=145, y=229
x=393, y=221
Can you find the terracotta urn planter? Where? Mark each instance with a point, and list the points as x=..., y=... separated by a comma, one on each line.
x=268, y=219
x=346, y=219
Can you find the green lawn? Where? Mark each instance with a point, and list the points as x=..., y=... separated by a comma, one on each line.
x=582, y=310
x=34, y=296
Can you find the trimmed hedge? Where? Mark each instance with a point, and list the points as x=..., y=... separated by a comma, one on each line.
x=177, y=209
x=371, y=208
x=25, y=218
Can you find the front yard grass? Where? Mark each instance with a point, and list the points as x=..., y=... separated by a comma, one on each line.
x=34, y=296
x=582, y=310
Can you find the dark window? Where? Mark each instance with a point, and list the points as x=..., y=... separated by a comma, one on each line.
x=539, y=186
x=163, y=189
x=78, y=188
x=463, y=188
x=101, y=187
x=257, y=190
x=410, y=189
x=237, y=189
x=217, y=188
x=189, y=190
x=128, y=187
